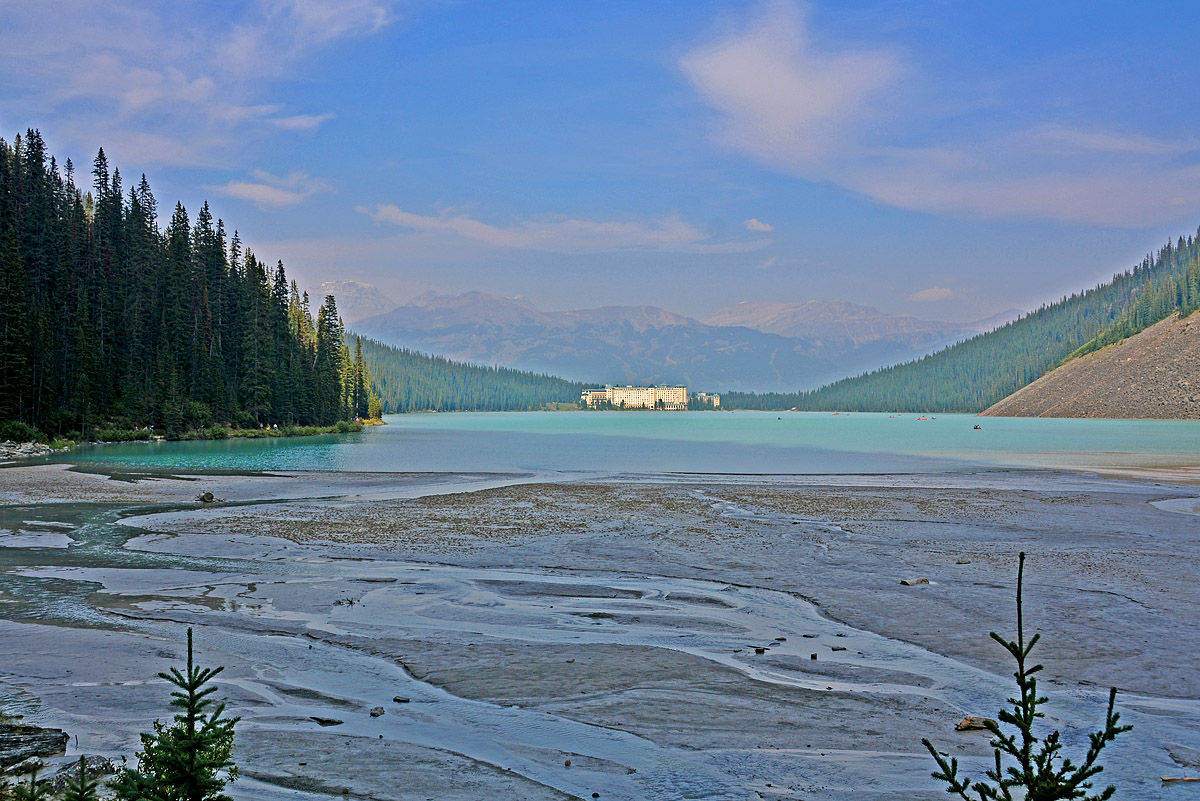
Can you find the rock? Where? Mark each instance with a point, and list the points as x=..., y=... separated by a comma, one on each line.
x=327, y=721
x=206, y=497
x=971, y=723
x=837, y=648
x=914, y=582
x=19, y=741
x=377, y=712
x=94, y=767
x=567, y=763
x=570, y=661
x=400, y=699
x=963, y=562
x=812, y=656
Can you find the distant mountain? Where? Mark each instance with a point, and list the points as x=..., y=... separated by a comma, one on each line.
x=854, y=337
x=747, y=347
x=974, y=374
x=612, y=344
x=355, y=300
x=1153, y=374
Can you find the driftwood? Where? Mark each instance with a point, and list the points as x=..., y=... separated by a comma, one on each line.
x=1180, y=779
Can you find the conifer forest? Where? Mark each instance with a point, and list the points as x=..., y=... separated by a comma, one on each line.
x=113, y=314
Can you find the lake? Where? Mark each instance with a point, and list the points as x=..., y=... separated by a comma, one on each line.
x=685, y=442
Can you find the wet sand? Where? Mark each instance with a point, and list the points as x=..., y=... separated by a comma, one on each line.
x=614, y=622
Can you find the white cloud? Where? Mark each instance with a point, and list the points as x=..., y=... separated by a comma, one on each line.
x=781, y=98
x=566, y=235
x=932, y=295
x=301, y=122
x=267, y=190
x=831, y=114
x=755, y=224
x=103, y=72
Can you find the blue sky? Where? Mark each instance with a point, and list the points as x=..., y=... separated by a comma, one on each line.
x=949, y=160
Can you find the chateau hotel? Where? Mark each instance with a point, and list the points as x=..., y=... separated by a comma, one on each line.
x=630, y=397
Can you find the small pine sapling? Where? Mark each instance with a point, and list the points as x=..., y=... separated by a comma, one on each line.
x=81, y=787
x=1041, y=772
x=32, y=791
x=192, y=758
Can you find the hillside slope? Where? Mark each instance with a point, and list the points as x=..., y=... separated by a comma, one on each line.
x=415, y=382
x=979, y=372
x=1153, y=374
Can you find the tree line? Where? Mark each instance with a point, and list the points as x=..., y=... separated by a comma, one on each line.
x=108, y=319
x=972, y=375
x=407, y=381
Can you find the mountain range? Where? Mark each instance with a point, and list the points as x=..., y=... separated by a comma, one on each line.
x=746, y=347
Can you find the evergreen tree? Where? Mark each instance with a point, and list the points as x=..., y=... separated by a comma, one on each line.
x=1040, y=772
x=189, y=759
x=81, y=788
x=33, y=791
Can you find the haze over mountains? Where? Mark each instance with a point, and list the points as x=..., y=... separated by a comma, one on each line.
x=748, y=347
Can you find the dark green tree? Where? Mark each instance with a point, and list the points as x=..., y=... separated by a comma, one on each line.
x=81, y=787
x=189, y=759
x=33, y=791
x=1033, y=766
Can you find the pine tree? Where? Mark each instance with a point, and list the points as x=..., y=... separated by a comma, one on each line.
x=81, y=788
x=1041, y=772
x=189, y=759
x=32, y=791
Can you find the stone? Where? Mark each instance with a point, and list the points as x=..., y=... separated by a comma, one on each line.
x=400, y=699
x=972, y=723
x=206, y=497
x=914, y=582
x=94, y=766
x=377, y=712
x=19, y=741
x=327, y=721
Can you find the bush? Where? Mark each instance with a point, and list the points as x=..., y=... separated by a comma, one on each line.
x=16, y=431
x=197, y=415
x=218, y=432
x=121, y=434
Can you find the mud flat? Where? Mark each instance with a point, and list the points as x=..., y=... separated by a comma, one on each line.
x=633, y=636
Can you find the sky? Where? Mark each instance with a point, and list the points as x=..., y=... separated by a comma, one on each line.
x=945, y=159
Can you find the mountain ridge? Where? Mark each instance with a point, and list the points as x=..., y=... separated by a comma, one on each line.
x=648, y=344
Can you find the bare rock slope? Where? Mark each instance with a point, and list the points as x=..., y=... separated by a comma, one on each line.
x=1154, y=374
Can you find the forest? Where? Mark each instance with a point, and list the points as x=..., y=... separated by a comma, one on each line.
x=407, y=381
x=108, y=320
x=972, y=375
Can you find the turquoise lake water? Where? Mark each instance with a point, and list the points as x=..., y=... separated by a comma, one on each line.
x=691, y=442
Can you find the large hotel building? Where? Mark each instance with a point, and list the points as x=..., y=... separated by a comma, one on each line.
x=629, y=397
